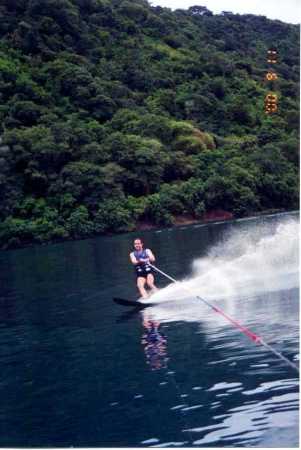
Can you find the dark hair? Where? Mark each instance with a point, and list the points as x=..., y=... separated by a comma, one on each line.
x=139, y=239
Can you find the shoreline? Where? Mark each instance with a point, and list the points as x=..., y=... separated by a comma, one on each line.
x=185, y=220
x=180, y=221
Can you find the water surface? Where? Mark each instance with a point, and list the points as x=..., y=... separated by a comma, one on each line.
x=79, y=370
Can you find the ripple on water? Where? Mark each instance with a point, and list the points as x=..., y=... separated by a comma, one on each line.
x=273, y=386
x=174, y=408
x=150, y=441
x=224, y=386
x=190, y=408
x=250, y=422
x=171, y=444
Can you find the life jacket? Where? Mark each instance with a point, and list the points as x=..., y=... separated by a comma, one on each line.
x=140, y=254
x=143, y=267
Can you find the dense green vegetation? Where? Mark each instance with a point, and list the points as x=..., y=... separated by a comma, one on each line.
x=115, y=112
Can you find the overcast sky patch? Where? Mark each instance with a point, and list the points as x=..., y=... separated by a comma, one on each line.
x=286, y=10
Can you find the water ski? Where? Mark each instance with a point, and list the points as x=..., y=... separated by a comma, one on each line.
x=134, y=303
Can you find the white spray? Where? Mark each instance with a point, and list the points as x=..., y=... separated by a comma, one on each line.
x=244, y=264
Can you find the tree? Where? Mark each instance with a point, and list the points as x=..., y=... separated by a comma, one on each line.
x=113, y=217
x=145, y=155
x=25, y=112
x=199, y=11
x=79, y=224
x=89, y=183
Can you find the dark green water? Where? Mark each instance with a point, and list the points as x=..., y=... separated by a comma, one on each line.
x=78, y=370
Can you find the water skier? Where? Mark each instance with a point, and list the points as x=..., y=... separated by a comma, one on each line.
x=142, y=258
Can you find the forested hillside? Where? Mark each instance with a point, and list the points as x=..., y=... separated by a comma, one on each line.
x=114, y=112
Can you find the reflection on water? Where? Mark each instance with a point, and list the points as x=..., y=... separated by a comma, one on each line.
x=155, y=343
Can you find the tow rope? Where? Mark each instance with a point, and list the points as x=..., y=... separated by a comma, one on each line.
x=254, y=337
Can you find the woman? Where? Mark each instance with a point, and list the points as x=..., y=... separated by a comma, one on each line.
x=142, y=258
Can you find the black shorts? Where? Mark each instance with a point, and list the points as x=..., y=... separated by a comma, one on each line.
x=143, y=271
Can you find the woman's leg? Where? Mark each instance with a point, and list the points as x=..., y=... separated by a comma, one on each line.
x=151, y=282
x=140, y=284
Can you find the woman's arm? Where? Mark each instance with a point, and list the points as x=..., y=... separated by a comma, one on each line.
x=133, y=259
x=150, y=255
